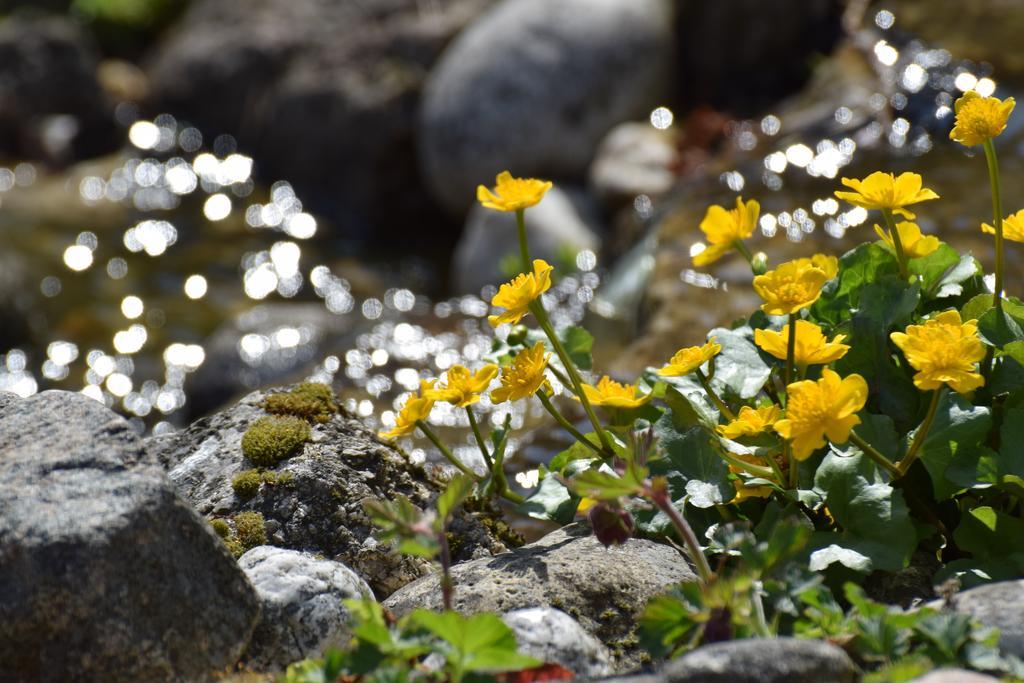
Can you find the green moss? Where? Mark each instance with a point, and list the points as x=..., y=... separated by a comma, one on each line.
x=221, y=527
x=312, y=401
x=251, y=530
x=247, y=484
x=272, y=439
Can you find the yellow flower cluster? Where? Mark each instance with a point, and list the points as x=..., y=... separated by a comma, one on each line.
x=915, y=245
x=979, y=119
x=463, y=388
x=751, y=422
x=524, y=377
x=417, y=407
x=513, y=194
x=612, y=394
x=689, y=359
x=886, y=191
x=1013, y=227
x=723, y=228
x=517, y=295
x=827, y=407
x=810, y=347
x=943, y=350
x=795, y=285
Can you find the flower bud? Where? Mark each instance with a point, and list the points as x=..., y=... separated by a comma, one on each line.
x=517, y=335
x=612, y=525
x=759, y=263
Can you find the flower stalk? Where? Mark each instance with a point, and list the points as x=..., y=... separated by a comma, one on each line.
x=568, y=427
x=449, y=456
x=719, y=403
x=524, y=249
x=480, y=439
x=659, y=496
x=997, y=219
x=897, y=242
x=877, y=457
x=922, y=433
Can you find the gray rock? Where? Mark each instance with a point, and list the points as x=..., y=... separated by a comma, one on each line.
x=955, y=676
x=554, y=637
x=605, y=589
x=533, y=86
x=105, y=573
x=562, y=223
x=1000, y=605
x=302, y=611
x=320, y=509
x=322, y=93
x=52, y=107
x=633, y=159
x=762, y=660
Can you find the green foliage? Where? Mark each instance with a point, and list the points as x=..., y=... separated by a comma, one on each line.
x=251, y=529
x=312, y=401
x=246, y=484
x=272, y=439
x=739, y=367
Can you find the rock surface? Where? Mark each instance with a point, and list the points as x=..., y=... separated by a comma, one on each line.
x=633, y=159
x=302, y=613
x=554, y=637
x=105, y=572
x=533, y=86
x=1000, y=605
x=320, y=509
x=52, y=107
x=324, y=94
x=756, y=660
x=955, y=676
x=604, y=589
x=561, y=225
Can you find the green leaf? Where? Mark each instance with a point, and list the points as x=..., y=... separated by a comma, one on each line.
x=578, y=344
x=480, y=643
x=943, y=272
x=997, y=329
x=883, y=306
x=872, y=514
x=738, y=365
x=957, y=425
x=866, y=264
x=454, y=495
x=989, y=534
x=1011, y=444
x=976, y=307
x=551, y=500
x=600, y=485
x=689, y=402
x=691, y=456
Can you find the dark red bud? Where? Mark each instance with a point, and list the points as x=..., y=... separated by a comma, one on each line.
x=612, y=525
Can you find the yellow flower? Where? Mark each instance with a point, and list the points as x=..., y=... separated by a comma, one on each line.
x=513, y=194
x=517, y=295
x=886, y=191
x=417, y=407
x=746, y=492
x=943, y=351
x=915, y=245
x=811, y=346
x=689, y=359
x=463, y=388
x=610, y=393
x=751, y=422
x=724, y=227
x=815, y=410
x=979, y=118
x=795, y=284
x=1013, y=227
x=524, y=376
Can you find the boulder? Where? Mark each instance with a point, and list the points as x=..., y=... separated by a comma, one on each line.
x=950, y=675
x=315, y=501
x=633, y=159
x=301, y=597
x=563, y=224
x=52, y=107
x=1000, y=605
x=533, y=86
x=762, y=660
x=105, y=572
x=554, y=637
x=324, y=94
x=605, y=589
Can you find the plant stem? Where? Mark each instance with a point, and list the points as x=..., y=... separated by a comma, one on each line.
x=719, y=403
x=570, y=369
x=447, y=587
x=445, y=452
x=794, y=472
x=790, y=351
x=567, y=426
x=748, y=467
x=901, y=256
x=480, y=440
x=922, y=432
x=873, y=453
x=662, y=502
x=775, y=469
x=997, y=219
x=524, y=249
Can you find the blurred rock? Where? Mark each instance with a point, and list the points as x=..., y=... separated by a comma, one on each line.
x=633, y=159
x=106, y=573
x=999, y=605
x=302, y=611
x=319, y=506
x=52, y=107
x=533, y=86
x=950, y=675
x=561, y=225
x=762, y=660
x=604, y=589
x=321, y=93
x=554, y=637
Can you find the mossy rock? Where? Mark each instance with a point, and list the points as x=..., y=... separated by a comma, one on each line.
x=312, y=401
x=270, y=440
x=251, y=529
x=246, y=484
